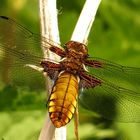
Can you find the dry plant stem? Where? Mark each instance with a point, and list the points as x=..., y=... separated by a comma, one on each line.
x=81, y=33
x=49, y=29
x=47, y=132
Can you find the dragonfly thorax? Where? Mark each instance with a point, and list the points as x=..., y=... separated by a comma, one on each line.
x=76, y=50
x=72, y=65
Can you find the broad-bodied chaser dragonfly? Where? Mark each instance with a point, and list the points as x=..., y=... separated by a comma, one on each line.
x=95, y=82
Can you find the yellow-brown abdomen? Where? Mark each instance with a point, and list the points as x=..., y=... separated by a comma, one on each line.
x=63, y=99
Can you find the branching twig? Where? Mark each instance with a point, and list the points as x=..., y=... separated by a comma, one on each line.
x=49, y=30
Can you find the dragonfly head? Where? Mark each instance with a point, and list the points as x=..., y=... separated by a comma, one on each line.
x=76, y=48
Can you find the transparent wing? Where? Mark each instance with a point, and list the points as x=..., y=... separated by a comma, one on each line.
x=110, y=101
x=19, y=47
x=11, y=31
x=127, y=77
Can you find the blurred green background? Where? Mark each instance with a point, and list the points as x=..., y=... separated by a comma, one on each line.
x=115, y=36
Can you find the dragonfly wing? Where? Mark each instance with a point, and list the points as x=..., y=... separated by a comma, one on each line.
x=110, y=101
x=128, y=77
x=15, y=41
x=11, y=31
x=20, y=71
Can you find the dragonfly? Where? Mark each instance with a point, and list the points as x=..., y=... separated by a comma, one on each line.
x=106, y=88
